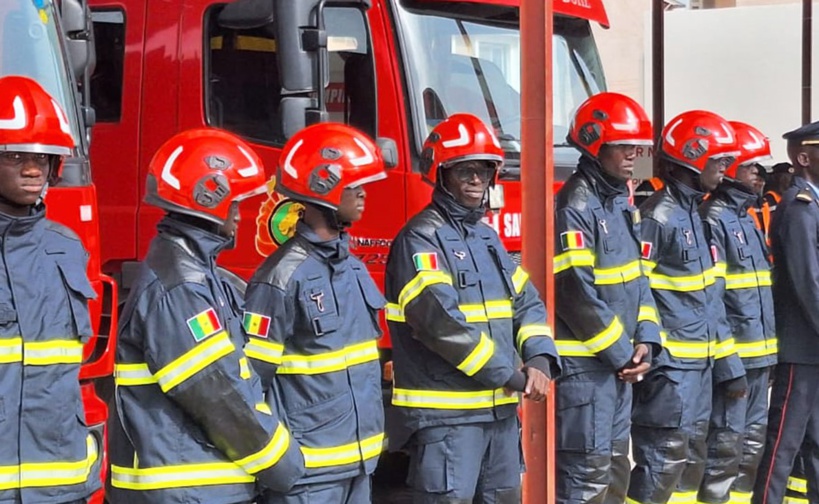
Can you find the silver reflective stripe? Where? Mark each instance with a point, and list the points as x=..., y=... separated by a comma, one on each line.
x=218, y=473
x=270, y=454
x=11, y=350
x=44, y=353
x=194, y=361
x=329, y=361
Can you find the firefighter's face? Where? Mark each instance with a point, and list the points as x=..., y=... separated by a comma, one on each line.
x=468, y=181
x=228, y=229
x=713, y=173
x=351, y=208
x=748, y=176
x=617, y=160
x=22, y=178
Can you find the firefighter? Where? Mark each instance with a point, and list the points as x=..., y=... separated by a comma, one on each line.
x=794, y=411
x=312, y=313
x=673, y=404
x=47, y=453
x=604, y=305
x=191, y=424
x=462, y=315
x=736, y=435
x=778, y=183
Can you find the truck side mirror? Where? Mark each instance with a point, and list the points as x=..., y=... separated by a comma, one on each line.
x=299, y=42
x=389, y=151
x=76, y=21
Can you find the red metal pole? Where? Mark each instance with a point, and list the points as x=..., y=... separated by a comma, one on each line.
x=537, y=176
x=807, y=46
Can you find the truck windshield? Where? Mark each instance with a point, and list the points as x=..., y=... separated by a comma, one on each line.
x=30, y=45
x=466, y=58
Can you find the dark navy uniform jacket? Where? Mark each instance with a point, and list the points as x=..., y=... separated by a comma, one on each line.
x=461, y=314
x=312, y=314
x=604, y=304
x=46, y=451
x=678, y=261
x=795, y=241
x=190, y=423
x=743, y=272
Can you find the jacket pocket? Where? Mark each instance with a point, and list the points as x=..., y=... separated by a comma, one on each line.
x=372, y=297
x=79, y=291
x=432, y=472
x=657, y=401
x=318, y=302
x=575, y=413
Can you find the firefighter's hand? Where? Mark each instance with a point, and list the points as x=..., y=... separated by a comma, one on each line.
x=537, y=384
x=638, y=366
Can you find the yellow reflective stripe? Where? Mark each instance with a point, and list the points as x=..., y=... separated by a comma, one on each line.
x=795, y=500
x=48, y=474
x=264, y=408
x=724, y=349
x=394, y=312
x=720, y=269
x=244, y=369
x=329, y=361
x=156, y=478
x=619, y=274
x=648, y=314
x=757, y=348
x=735, y=281
x=605, y=338
x=490, y=310
x=438, y=399
x=648, y=266
x=349, y=453
x=683, y=498
x=530, y=331
x=194, y=360
x=685, y=283
x=478, y=357
x=44, y=353
x=265, y=351
x=740, y=497
x=573, y=259
x=519, y=279
x=689, y=350
x=270, y=454
x=11, y=350
x=799, y=485
x=126, y=375
x=420, y=282
x=573, y=348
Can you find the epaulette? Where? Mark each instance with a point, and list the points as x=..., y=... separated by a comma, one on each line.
x=804, y=195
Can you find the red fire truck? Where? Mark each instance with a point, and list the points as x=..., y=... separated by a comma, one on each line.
x=264, y=68
x=55, y=48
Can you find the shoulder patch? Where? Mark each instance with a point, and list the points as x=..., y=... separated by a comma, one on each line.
x=256, y=324
x=425, y=261
x=572, y=240
x=804, y=195
x=204, y=324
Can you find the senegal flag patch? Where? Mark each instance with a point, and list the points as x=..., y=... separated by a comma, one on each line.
x=256, y=325
x=425, y=261
x=204, y=324
x=572, y=240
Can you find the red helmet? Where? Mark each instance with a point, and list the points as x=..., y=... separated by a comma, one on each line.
x=754, y=147
x=461, y=137
x=31, y=120
x=609, y=118
x=694, y=137
x=200, y=172
x=320, y=161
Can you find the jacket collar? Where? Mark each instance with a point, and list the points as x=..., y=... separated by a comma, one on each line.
x=689, y=198
x=334, y=250
x=605, y=186
x=17, y=226
x=202, y=244
x=736, y=196
x=461, y=217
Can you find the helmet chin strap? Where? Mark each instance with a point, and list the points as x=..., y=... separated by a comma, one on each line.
x=332, y=218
